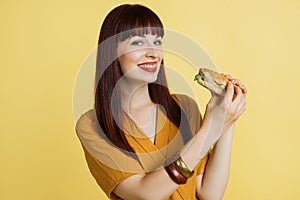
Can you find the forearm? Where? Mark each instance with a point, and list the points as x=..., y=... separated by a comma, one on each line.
x=216, y=175
x=201, y=143
x=153, y=185
x=157, y=184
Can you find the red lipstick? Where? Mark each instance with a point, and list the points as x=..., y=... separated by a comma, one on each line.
x=149, y=66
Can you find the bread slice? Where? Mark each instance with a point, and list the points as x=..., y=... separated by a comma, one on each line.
x=218, y=81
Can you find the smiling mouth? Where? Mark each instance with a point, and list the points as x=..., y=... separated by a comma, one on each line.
x=149, y=67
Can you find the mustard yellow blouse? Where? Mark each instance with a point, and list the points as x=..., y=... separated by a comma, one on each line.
x=109, y=166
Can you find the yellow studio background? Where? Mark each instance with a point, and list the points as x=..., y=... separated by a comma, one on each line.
x=43, y=44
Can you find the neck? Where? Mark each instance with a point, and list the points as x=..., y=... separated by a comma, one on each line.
x=134, y=95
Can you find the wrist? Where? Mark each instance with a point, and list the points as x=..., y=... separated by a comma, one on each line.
x=227, y=135
x=190, y=159
x=178, y=170
x=228, y=130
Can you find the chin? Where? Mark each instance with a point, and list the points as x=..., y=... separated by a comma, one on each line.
x=150, y=79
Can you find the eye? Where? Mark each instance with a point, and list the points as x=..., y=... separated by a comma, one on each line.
x=137, y=43
x=157, y=42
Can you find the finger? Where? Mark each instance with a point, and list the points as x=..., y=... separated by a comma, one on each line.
x=241, y=101
x=229, y=92
x=236, y=82
x=238, y=97
x=244, y=90
x=242, y=107
x=243, y=87
x=233, y=80
x=238, y=111
x=236, y=106
x=239, y=83
x=228, y=76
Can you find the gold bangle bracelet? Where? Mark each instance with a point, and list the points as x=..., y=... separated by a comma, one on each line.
x=182, y=168
x=175, y=174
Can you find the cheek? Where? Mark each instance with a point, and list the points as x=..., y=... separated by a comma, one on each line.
x=161, y=55
x=129, y=60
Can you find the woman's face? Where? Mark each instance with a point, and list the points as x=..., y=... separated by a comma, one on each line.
x=140, y=57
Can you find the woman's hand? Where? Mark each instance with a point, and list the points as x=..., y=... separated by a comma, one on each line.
x=238, y=83
x=223, y=111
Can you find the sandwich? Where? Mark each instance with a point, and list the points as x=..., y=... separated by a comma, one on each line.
x=212, y=80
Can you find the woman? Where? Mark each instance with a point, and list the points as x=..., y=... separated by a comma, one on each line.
x=162, y=136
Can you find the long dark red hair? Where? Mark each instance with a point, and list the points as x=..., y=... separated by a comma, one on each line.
x=122, y=22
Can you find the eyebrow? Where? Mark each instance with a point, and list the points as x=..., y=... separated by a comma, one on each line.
x=157, y=36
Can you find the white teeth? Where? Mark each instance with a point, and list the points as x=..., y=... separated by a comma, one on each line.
x=148, y=66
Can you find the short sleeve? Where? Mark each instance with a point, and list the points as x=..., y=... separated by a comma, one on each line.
x=103, y=159
x=107, y=178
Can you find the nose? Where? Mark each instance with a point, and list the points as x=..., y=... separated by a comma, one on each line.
x=152, y=52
